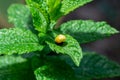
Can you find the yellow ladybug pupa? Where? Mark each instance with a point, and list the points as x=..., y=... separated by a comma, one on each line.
x=60, y=38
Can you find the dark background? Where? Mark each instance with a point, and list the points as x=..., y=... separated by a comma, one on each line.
x=98, y=10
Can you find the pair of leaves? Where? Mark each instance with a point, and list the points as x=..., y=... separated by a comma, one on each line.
x=93, y=66
x=83, y=31
x=45, y=13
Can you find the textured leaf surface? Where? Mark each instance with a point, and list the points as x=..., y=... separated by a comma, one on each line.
x=16, y=40
x=15, y=68
x=86, y=30
x=54, y=69
x=95, y=66
x=70, y=5
x=70, y=47
x=19, y=15
x=53, y=8
x=39, y=14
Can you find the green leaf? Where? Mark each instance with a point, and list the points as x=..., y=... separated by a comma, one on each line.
x=39, y=14
x=19, y=15
x=54, y=69
x=86, y=30
x=16, y=40
x=70, y=47
x=15, y=68
x=53, y=9
x=70, y=5
x=95, y=66
x=58, y=8
x=41, y=3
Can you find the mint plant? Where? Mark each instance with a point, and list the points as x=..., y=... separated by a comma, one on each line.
x=29, y=50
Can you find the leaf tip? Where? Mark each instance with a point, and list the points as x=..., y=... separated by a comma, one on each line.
x=78, y=61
